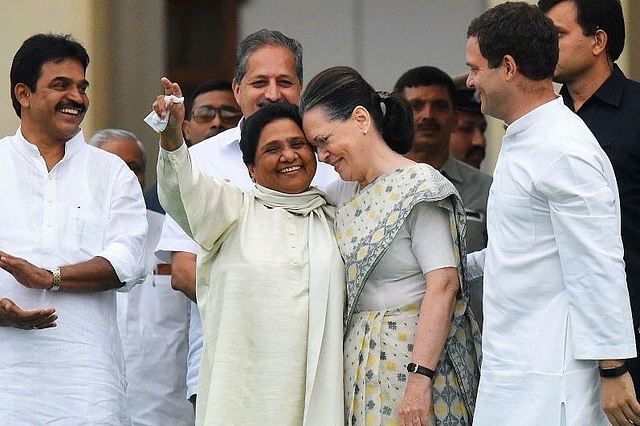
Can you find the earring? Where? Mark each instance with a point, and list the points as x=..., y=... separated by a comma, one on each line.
x=365, y=131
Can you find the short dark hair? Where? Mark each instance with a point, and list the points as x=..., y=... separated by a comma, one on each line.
x=35, y=52
x=598, y=14
x=521, y=30
x=263, y=38
x=254, y=124
x=338, y=90
x=426, y=76
x=206, y=87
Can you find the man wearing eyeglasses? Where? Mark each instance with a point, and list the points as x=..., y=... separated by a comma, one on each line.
x=213, y=110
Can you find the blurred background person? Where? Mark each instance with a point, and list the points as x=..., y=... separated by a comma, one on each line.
x=468, y=141
x=153, y=319
x=212, y=109
x=432, y=94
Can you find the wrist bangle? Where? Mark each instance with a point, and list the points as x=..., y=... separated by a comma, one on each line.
x=57, y=280
x=416, y=368
x=615, y=371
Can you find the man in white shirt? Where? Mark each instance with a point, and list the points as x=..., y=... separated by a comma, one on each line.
x=152, y=318
x=268, y=69
x=557, y=319
x=72, y=231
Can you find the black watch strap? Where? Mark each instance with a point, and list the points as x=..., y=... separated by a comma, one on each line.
x=412, y=367
x=615, y=371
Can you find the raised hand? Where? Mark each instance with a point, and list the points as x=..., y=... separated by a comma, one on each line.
x=171, y=137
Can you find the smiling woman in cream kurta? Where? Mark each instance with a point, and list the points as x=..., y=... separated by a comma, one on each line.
x=270, y=289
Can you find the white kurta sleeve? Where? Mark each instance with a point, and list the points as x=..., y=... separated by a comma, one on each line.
x=126, y=231
x=585, y=216
x=172, y=239
x=475, y=264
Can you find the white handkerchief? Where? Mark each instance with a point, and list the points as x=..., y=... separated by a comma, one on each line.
x=153, y=119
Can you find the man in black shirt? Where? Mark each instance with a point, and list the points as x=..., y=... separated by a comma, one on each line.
x=591, y=40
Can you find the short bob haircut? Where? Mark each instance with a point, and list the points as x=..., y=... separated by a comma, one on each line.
x=253, y=126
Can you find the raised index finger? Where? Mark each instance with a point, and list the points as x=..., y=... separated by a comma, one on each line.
x=171, y=88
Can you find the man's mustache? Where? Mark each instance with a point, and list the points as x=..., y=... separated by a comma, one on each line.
x=215, y=131
x=429, y=124
x=70, y=104
x=480, y=150
x=263, y=102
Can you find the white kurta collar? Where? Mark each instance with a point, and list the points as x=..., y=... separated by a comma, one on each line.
x=534, y=117
x=72, y=146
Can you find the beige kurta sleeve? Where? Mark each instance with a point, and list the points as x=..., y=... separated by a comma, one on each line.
x=192, y=197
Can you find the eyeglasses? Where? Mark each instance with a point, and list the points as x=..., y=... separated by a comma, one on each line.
x=207, y=113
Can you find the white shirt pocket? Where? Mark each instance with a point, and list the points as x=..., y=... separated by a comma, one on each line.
x=89, y=230
x=511, y=223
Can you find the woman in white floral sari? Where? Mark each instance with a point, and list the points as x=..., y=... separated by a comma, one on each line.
x=412, y=346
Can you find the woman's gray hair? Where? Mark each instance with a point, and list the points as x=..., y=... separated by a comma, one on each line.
x=262, y=38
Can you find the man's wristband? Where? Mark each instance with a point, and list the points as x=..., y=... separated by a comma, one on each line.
x=417, y=368
x=615, y=371
x=57, y=280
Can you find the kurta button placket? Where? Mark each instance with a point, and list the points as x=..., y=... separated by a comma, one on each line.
x=49, y=216
x=292, y=233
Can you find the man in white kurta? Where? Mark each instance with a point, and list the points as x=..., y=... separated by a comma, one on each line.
x=555, y=299
x=89, y=205
x=556, y=307
x=72, y=231
x=153, y=320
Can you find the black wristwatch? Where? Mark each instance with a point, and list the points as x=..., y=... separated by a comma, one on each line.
x=412, y=367
x=615, y=371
